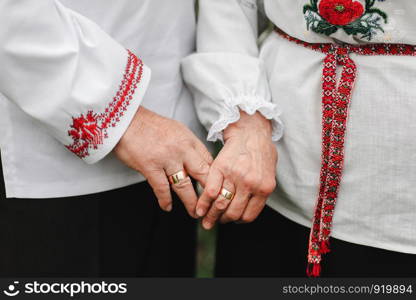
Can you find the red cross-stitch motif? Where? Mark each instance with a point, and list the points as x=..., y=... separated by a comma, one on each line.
x=89, y=131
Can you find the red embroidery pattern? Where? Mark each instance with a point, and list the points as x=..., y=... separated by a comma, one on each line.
x=340, y=12
x=335, y=103
x=89, y=131
x=352, y=16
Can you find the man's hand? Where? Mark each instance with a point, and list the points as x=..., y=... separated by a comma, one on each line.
x=158, y=147
x=246, y=166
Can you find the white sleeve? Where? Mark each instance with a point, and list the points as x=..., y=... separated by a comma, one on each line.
x=65, y=72
x=226, y=74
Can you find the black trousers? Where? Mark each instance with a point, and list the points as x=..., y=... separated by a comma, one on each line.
x=121, y=233
x=274, y=246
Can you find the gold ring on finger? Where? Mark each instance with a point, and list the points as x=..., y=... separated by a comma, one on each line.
x=227, y=194
x=178, y=177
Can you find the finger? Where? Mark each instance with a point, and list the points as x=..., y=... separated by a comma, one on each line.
x=196, y=166
x=236, y=209
x=202, y=149
x=160, y=185
x=212, y=189
x=185, y=191
x=254, y=208
x=218, y=207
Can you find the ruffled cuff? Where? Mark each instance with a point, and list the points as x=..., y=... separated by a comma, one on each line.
x=250, y=105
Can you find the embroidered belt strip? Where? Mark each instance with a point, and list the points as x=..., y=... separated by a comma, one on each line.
x=336, y=97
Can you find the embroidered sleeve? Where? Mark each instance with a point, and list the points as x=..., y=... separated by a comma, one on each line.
x=80, y=85
x=90, y=130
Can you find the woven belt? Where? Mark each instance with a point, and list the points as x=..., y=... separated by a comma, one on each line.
x=336, y=97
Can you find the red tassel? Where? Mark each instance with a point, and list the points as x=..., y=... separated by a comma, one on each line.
x=313, y=270
x=324, y=248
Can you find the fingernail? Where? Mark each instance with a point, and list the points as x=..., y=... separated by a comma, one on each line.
x=200, y=212
x=206, y=225
x=169, y=207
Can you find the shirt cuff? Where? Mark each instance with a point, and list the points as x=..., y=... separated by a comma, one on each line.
x=95, y=134
x=250, y=105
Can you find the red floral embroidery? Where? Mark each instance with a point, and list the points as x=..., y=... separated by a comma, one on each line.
x=335, y=102
x=351, y=16
x=340, y=12
x=89, y=131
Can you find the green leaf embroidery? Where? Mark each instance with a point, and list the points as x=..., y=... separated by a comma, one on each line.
x=312, y=6
x=379, y=12
x=319, y=25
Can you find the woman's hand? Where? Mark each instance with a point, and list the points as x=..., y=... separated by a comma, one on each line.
x=245, y=166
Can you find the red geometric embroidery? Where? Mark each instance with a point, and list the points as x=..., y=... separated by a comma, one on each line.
x=336, y=97
x=89, y=131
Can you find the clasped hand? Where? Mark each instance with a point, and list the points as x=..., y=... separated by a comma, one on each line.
x=159, y=147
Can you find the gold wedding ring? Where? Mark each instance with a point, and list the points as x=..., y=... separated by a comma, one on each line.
x=227, y=194
x=178, y=177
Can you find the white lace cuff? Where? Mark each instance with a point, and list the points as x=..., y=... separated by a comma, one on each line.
x=250, y=105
